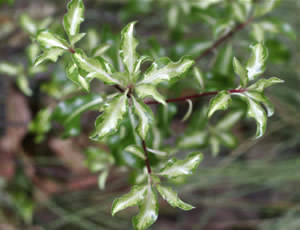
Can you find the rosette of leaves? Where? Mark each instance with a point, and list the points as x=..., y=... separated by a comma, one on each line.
x=259, y=106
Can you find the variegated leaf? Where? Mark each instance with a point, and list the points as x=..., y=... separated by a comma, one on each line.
x=260, y=85
x=23, y=84
x=148, y=211
x=219, y=102
x=192, y=140
x=259, y=97
x=172, y=198
x=73, y=74
x=256, y=64
x=95, y=68
x=199, y=76
x=165, y=70
x=49, y=54
x=136, y=150
x=241, y=72
x=49, y=40
x=148, y=90
x=175, y=168
x=28, y=24
x=73, y=19
x=9, y=69
x=109, y=121
x=145, y=116
x=134, y=197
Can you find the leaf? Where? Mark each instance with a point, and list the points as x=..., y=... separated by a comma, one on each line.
x=41, y=124
x=100, y=50
x=28, y=24
x=73, y=74
x=9, y=69
x=128, y=48
x=199, y=76
x=109, y=121
x=265, y=7
x=164, y=70
x=240, y=71
x=49, y=54
x=32, y=52
x=73, y=19
x=134, y=197
x=175, y=168
x=148, y=211
x=193, y=140
x=172, y=198
x=259, y=97
x=189, y=111
x=49, y=40
x=23, y=84
x=258, y=113
x=68, y=112
x=219, y=102
x=95, y=68
x=260, y=85
x=148, y=90
x=157, y=152
x=256, y=64
x=102, y=179
x=136, y=150
x=239, y=11
x=223, y=61
x=228, y=121
x=145, y=116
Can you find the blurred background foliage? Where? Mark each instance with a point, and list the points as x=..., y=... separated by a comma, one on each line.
x=242, y=183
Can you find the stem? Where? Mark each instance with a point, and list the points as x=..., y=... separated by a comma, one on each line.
x=194, y=96
x=224, y=38
x=147, y=157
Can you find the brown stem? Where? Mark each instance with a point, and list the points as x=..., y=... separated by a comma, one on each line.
x=194, y=96
x=224, y=38
x=147, y=157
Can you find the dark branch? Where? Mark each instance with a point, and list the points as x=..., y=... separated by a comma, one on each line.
x=147, y=157
x=194, y=96
x=224, y=38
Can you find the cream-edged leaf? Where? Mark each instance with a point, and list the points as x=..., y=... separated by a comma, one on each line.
x=73, y=75
x=240, y=71
x=148, y=90
x=199, y=76
x=219, y=102
x=23, y=84
x=136, y=150
x=260, y=85
x=9, y=69
x=73, y=19
x=175, y=168
x=256, y=64
x=102, y=179
x=134, y=197
x=109, y=121
x=193, y=140
x=95, y=68
x=229, y=120
x=259, y=97
x=172, y=198
x=49, y=54
x=128, y=48
x=145, y=116
x=28, y=24
x=165, y=70
x=49, y=40
x=265, y=7
x=148, y=211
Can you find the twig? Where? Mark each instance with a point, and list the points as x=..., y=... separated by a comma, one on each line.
x=224, y=38
x=147, y=157
x=194, y=96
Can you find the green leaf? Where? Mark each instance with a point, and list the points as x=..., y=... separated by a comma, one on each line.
x=95, y=68
x=128, y=48
x=148, y=211
x=223, y=63
x=73, y=19
x=32, y=52
x=241, y=72
x=203, y=4
x=172, y=198
x=41, y=124
x=149, y=91
x=164, y=70
x=109, y=121
x=136, y=150
x=145, y=116
x=49, y=54
x=199, y=76
x=68, y=112
x=256, y=64
x=265, y=7
x=264, y=83
x=193, y=140
x=102, y=179
x=9, y=69
x=100, y=50
x=219, y=102
x=258, y=113
x=239, y=11
x=28, y=24
x=134, y=197
x=228, y=121
x=49, y=40
x=23, y=84
x=73, y=74
x=175, y=168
